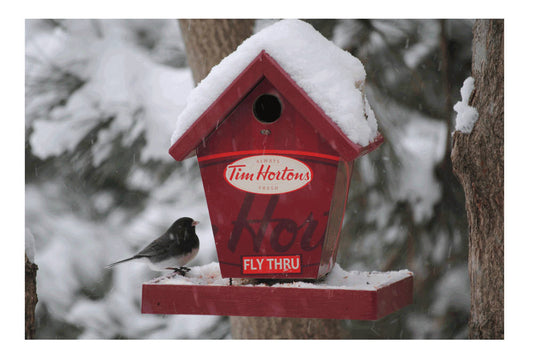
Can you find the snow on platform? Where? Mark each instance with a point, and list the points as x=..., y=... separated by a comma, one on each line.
x=342, y=295
x=337, y=279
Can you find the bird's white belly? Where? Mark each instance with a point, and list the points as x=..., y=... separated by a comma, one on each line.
x=174, y=262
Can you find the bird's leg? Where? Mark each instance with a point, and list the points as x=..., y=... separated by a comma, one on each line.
x=182, y=270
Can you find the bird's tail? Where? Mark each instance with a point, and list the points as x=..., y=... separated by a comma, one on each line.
x=119, y=262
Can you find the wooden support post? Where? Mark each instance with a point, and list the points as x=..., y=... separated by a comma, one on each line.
x=30, y=297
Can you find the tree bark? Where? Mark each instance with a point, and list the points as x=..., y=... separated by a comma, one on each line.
x=30, y=297
x=207, y=42
x=479, y=165
x=285, y=328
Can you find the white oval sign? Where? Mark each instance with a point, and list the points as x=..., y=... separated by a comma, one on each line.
x=268, y=174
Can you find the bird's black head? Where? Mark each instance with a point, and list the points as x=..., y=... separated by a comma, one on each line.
x=184, y=223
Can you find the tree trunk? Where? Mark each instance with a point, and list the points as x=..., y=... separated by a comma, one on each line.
x=30, y=297
x=285, y=328
x=478, y=163
x=207, y=42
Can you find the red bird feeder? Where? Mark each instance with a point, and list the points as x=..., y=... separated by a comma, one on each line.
x=276, y=171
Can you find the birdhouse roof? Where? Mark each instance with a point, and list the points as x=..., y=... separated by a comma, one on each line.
x=322, y=81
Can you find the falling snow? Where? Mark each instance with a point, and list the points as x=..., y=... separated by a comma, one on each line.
x=102, y=99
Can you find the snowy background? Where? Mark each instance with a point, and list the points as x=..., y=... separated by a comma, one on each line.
x=102, y=98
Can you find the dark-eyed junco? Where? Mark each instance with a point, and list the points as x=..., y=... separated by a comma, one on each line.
x=175, y=248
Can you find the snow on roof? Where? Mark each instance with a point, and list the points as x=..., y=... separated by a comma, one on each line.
x=330, y=76
x=338, y=278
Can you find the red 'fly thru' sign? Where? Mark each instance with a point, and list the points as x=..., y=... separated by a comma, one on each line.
x=267, y=264
x=276, y=172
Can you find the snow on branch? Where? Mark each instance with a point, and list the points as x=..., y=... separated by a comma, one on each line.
x=466, y=115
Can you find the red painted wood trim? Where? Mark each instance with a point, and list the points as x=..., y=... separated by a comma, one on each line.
x=394, y=297
x=267, y=152
x=310, y=110
x=278, y=302
x=265, y=66
x=218, y=110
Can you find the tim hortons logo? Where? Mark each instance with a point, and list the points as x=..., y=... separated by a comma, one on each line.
x=268, y=174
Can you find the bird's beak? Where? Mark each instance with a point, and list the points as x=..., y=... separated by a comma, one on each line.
x=195, y=223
